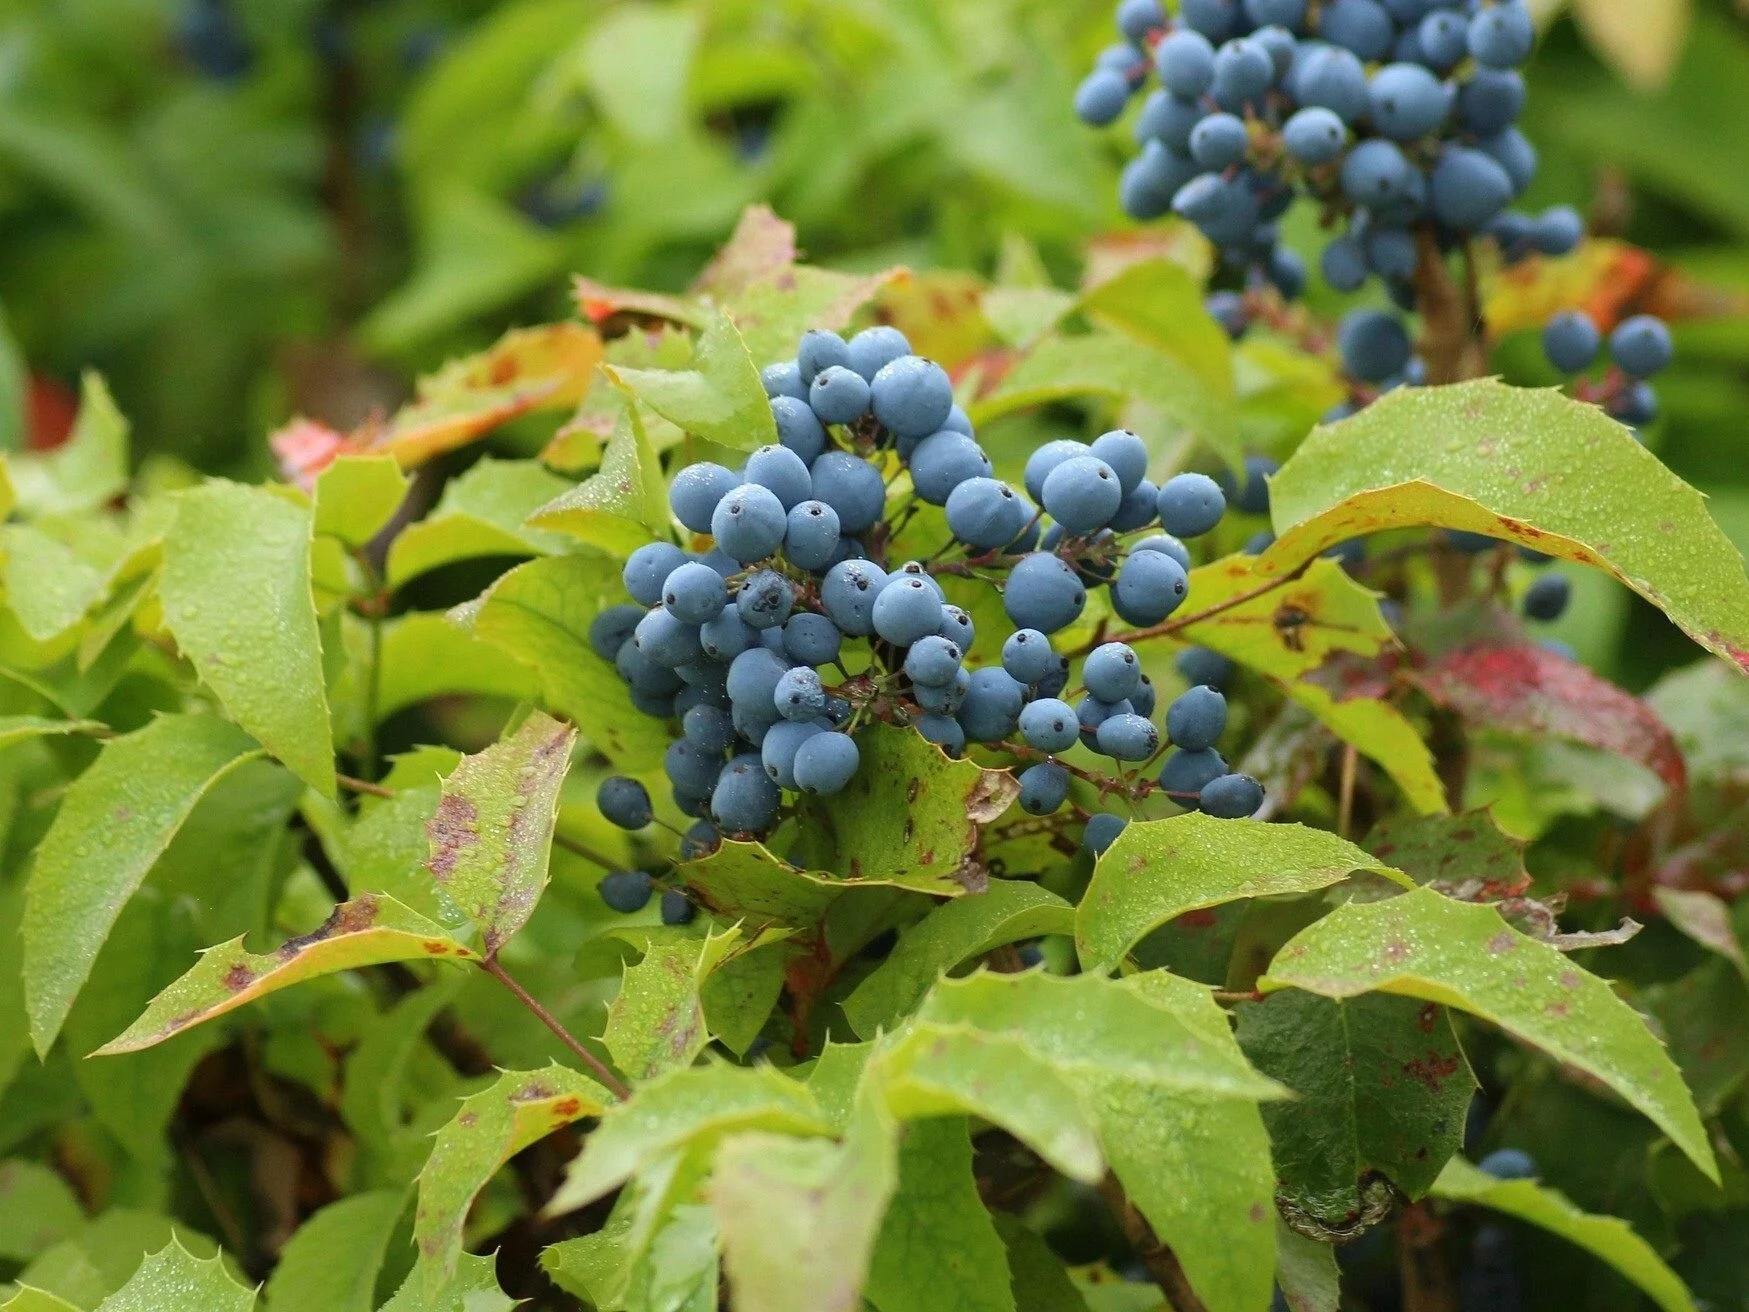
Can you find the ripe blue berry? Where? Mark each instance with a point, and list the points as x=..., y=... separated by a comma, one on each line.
x=1082, y=494
x=991, y=709
x=1127, y=737
x=1101, y=832
x=1376, y=173
x=677, y=908
x=944, y=731
x=907, y=609
x=780, y=471
x=624, y=802
x=1343, y=264
x=1491, y=100
x=848, y=594
x=1509, y=1164
x=825, y=763
x=1167, y=545
x=1127, y=455
x=1137, y=18
x=933, y=661
x=1244, y=70
x=957, y=627
x=708, y=728
x=1231, y=797
x=703, y=838
x=838, y=395
x=985, y=513
x=648, y=568
x=799, y=695
x=1149, y=587
x=810, y=639
x=1049, y=725
x=1043, y=788
x=753, y=677
x=853, y=488
x=1186, y=774
x=1444, y=39
x=1186, y=63
x=626, y=891
x=1329, y=77
x=1374, y=344
x=872, y=349
x=1112, y=672
x=1468, y=188
x=765, y=600
x=726, y=636
x=694, y=593
x=1362, y=26
x=749, y=523
x=745, y=801
x=1314, y=135
x=1571, y=341
x=1137, y=509
x=911, y=396
x=811, y=535
x=1190, y=505
x=818, y=350
x=1101, y=97
x=1641, y=345
x=1546, y=598
x=778, y=751
x=691, y=769
x=1502, y=34
x=1558, y=230
x=1197, y=718
x=1090, y=713
x=1043, y=593
x=1027, y=656
x=798, y=428
x=1407, y=101
x=612, y=627
x=944, y=700
x=942, y=462
x=695, y=491
x=1215, y=19
x=784, y=379
x=666, y=640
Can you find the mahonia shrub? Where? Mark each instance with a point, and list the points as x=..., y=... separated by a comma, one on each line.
x=927, y=792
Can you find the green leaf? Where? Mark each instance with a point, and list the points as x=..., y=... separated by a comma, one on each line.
x=366, y=931
x=385, y=848
x=720, y=398
x=635, y=64
x=492, y=833
x=20, y=728
x=538, y=614
x=1382, y=1086
x=48, y=586
x=491, y=1128
x=473, y=1288
x=1454, y=850
x=375, y=1092
x=35, y=1300
x=1604, y=1236
x=332, y=1260
x=692, y=1105
x=237, y=598
x=739, y=994
x=102, y=1255
x=1005, y=912
x=1706, y=705
x=37, y=1209
x=938, y=1250
x=1159, y=302
x=621, y=506
x=1118, y=369
x=744, y=881
x=357, y=495
x=1423, y=945
x=1305, y=1272
x=115, y=820
x=1524, y=465
x=424, y=655
x=1159, y=869
x=679, y=1272
x=1037, y=1277
x=176, y=1279
x=481, y=513
x=87, y=470
x=656, y=1021
x=14, y=402
x=913, y=814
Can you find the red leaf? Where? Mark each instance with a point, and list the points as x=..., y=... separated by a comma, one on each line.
x=1524, y=688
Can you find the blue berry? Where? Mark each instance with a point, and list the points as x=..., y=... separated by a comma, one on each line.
x=765, y=599
x=1636, y=406
x=1231, y=797
x=1547, y=598
x=872, y=349
x=1127, y=737
x=781, y=472
x=798, y=428
x=1375, y=173
x=1444, y=38
x=1043, y=788
x=1361, y=26
x=933, y=661
x=1186, y=774
x=1509, y=1164
x=957, y=627
x=612, y=627
x=810, y=639
x=1279, y=13
x=799, y=695
x=784, y=379
x=1046, y=458
x=1082, y=494
x=646, y=677
x=1101, y=832
x=991, y=709
x=1049, y=725
x=1137, y=18
x=942, y=462
x=1219, y=141
x=777, y=753
x=1314, y=135
x=694, y=593
x=1252, y=496
x=1230, y=311
x=708, y=728
x=848, y=594
x=1149, y=587
x=818, y=350
x=853, y=488
x=1329, y=77
x=1373, y=344
x=1101, y=97
x=1243, y=72
x=677, y=908
x=1168, y=545
x=1215, y=19
x=1558, y=230
x=703, y=838
x=1491, y=100
x=908, y=608
x=1111, y=671
x=695, y=491
x=945, y=700
x=1127, y=455
x=648, y=568
x=1343, y=264
x=666, y=640
x=1186, y=63
x=958, y=421
x=1468, y=188
x=691, y=769
x=1391, y=253
x=624, y=802
x=944, y=731
x=1150, y=180
x=1641, y=346
x=1044, y=593
x=1407, y=101
x=726, y=636
x=745, y=801
x=1190, y=505
x=811, y=535
x=749, y=523
x=1138, y=509
x=1196, y=719
x=1502, y=34
x=825, y=763
x=1090, y=713
x=838, y=395
x=1144, y=697
x=1571, y=341
x=1512, y=151
x=985, y=513
x=626, y=891
x=911, y=396
x=753, y=679
x=1027, y=656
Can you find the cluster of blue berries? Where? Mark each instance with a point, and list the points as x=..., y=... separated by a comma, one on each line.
x=1639, y=347
x=774, y=640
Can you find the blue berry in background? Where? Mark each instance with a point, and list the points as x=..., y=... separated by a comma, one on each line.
x=872, y=349
x=1512, y=151
x=911, y=396
x=677, y=908
x=1502, y=34
x=1546, y=599
x=1491, y=100
x=944, y=731
x=1373, y=344
x=1101, y=832
x=1314, y=135
x=1149, y=587
x=1127, y=455
x=1343, y=264
x=1101, y=97
x=985, y=513
x=1112, y=672
x=1558, y=230
x=668, y=641
x=1331, y=78
x=852, y=487
x=1641, y=346
x=1046, y=458
x=1199, y=665
x=1229, y=310
x=838, y=395
x=958, y=421
x=817, y=350
x=749, y=523
x=624, y=802
x=1361, y=26
x=1509, y=1164
x=1571, y=341
x=1186, y=63
x=648, y=568
x=1215, y=19
x=799, y=695
x=1138, y=509
x=826, y=763
x=906, y=610
x=942, y=462
x=726, y=636
x=777, y=753
x=1231, y=797
x=1637, y=405
x=1258, y=543
x=1049, y=725
x=783, y=379
x=810, y=639
x=1126, y=737
x=1044, y=593
x=798, y=428
x=1407, y=101
x=694, y=593
x=1186, y=774
x=708, y=728
x=612, y=628
x=1137, y=18
x=1250, y=497
x=1144, y=697
x=764, y=599
x=626, y=891
x=1190, y=505
x=703, y=837
x=1197, y=718
x=1082, y=494
x=1043, y=788
x=933, y=661
x=848, y=595
x=1219, y=141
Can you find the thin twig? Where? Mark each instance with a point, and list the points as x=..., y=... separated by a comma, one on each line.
x=363, y=786
x=1162, y=1263
x=1345, y=799
x=614, y=1084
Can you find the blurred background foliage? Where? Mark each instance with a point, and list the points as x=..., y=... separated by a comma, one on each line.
x=241, y=210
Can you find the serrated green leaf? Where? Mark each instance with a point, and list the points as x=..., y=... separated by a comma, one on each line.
x=492, y=833
x=481, y=513
x=656, y=1021
x=1462, y=955
x=47, y=585
x=374, y=1092
x=1607, y=1237
x=1381, y=1085
x=738, y=995
x=1530, y=466
x=115, y=820
x=538, y=614
x=1118, y=369
x=771, y=313
x=35, y=1300
x=621, y=506
x=1454, y=850
x=679, y=1272
x=1159, y=869
x=745, y=881
x=692, y=1105
x=938, y=1250
x=424, y=655
x=37, y=1209
x=366, y=931
x=1036, y=1275
x=103, y=1254
x=1005, y=912
x=1305, y=1272
x=473, y=1288
x=357, y=495
x=491, y=1128
x=332, y=1261
x=175, y=1278
x=1704, y=1017
x=85, y=471
x=21, y=728
x=720, y=398
x=1159, y=301
x=237, y=599
x=385, y=850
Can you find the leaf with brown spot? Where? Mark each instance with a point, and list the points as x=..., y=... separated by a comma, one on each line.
x=367, y=931
x=1425, y=945
x=492, y=834
x=492, y=1126
x=1468, y=855
x=746, y=881
x=657, y=1020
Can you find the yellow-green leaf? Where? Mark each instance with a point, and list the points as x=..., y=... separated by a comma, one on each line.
x=37, y=1208
x=332, y=1260
x=237, y=598
x=720, y=398
x=1463, y=955
x=357, y=495
x=1159, y=302
x=481, y=513
x=49, y=587
x=657, y=1022
x=366, y=931
x=175, y=1278
x=18, y=728
x=85, y=471
x=621, y=506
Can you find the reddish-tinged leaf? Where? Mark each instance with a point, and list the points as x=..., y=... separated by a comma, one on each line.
x=598, y=303
x=1530, y=690
x=304, y=448
x=761, y=248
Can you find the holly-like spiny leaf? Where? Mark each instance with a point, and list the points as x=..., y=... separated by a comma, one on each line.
x=1468, y=851
x=175, y=1278
x=367, y=931
x=473, y=1288
x=657, y=1020
x=624, y=504
x=745, y=881
x=1424, y=945
x=720, y=398
x=481, y=513
x=18, y=728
